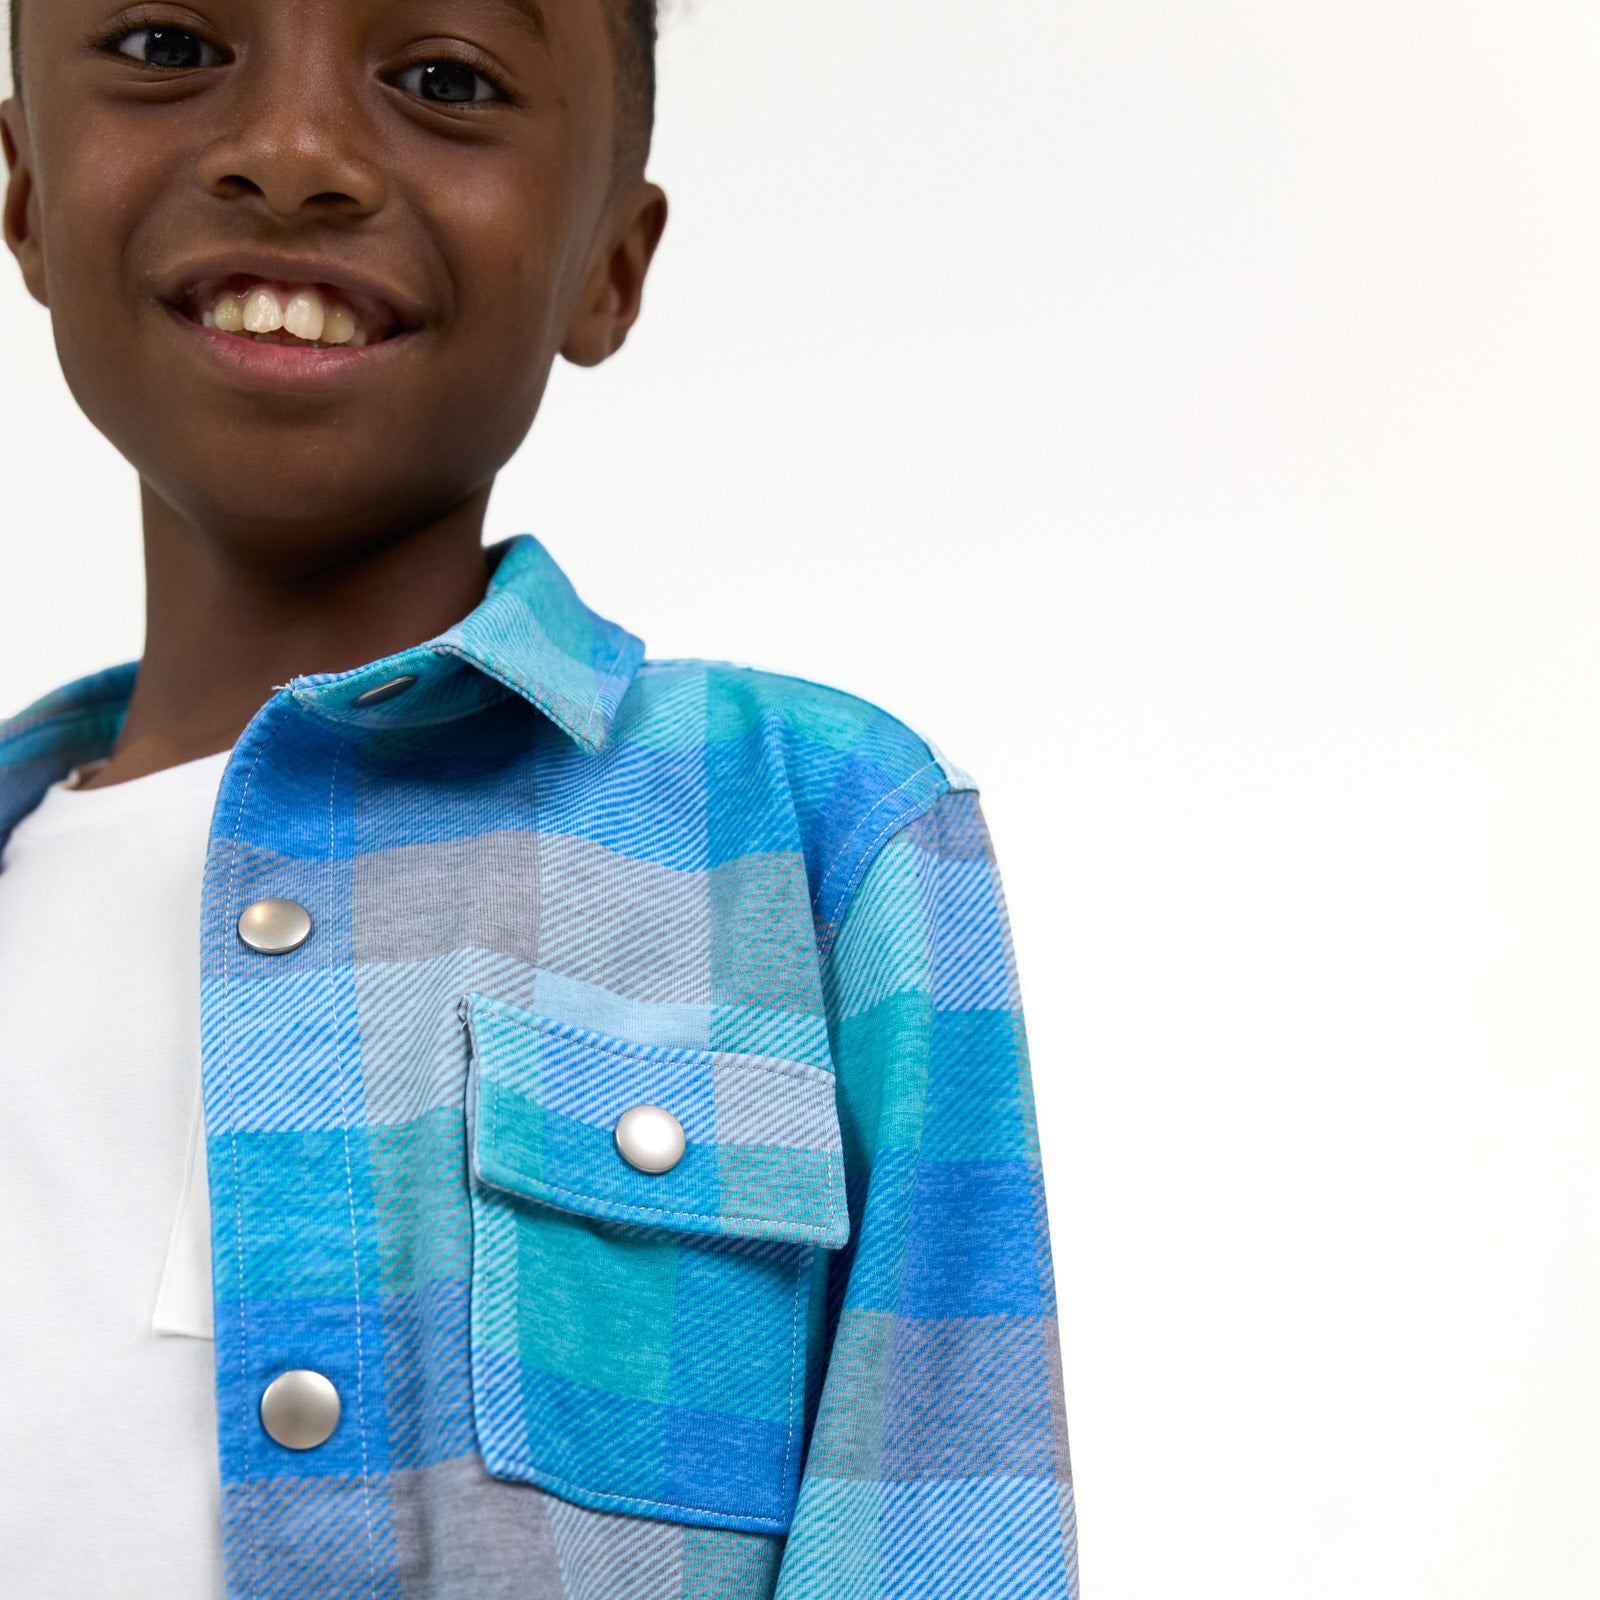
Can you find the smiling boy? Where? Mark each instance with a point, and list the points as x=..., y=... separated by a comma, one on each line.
x=481, y=1114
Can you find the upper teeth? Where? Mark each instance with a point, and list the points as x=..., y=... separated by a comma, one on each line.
x=302, y=312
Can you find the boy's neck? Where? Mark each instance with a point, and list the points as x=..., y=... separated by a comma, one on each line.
x=222, y=635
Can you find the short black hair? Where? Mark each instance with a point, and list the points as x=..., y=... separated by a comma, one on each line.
x=633, y=40
x=633, y=30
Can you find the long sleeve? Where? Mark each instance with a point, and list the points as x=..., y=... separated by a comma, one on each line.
x=938, y=1465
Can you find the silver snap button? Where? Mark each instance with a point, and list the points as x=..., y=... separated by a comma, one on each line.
x=275, y=927
x=300, y=1410
x=384, y=691
x=650, y=1139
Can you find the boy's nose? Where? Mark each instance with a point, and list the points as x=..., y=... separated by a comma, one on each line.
x=294, y=145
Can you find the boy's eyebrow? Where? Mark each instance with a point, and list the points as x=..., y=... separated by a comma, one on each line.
x=528, y=12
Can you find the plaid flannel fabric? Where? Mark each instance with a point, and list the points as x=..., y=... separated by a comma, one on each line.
x=818, y=1357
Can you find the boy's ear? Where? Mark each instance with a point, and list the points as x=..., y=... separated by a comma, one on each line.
x=614, y=291
x=21, y=211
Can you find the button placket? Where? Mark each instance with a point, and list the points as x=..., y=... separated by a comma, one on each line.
x=268, y=1030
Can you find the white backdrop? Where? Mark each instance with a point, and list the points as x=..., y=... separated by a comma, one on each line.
x=1188, y=414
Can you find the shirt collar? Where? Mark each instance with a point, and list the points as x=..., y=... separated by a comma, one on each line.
x=530, y=635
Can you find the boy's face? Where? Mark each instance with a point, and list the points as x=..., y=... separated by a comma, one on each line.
x=445, y=168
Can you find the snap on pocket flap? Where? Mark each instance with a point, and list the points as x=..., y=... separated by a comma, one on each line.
x=761, y=1155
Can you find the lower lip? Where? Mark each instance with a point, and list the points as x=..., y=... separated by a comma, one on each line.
x=285, y=369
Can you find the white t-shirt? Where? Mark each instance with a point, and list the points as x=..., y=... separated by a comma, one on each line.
x=108, y=1450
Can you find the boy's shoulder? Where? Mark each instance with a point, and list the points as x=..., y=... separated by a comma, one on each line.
x=44, y=740
x=735, y=699
x=841, y=772
x=822, y=731
x=90, y=702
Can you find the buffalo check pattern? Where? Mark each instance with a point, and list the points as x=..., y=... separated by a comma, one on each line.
x=818, y=1359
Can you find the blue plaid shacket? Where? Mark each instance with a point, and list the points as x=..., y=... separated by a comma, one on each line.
x=818, y=1358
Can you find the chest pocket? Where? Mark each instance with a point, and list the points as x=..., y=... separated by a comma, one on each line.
x=639, y=1339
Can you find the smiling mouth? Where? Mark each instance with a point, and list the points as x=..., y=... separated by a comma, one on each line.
x=311, y=316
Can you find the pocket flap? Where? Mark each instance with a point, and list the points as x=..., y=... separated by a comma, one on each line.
x=762, y=1155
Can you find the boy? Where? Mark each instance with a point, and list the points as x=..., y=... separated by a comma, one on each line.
x=588, y=1149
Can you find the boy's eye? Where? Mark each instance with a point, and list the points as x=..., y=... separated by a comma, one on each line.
x=451, y=83
x=168, y=47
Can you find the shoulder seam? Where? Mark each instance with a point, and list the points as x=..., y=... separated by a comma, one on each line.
x=958, y=778
x=858, y=862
